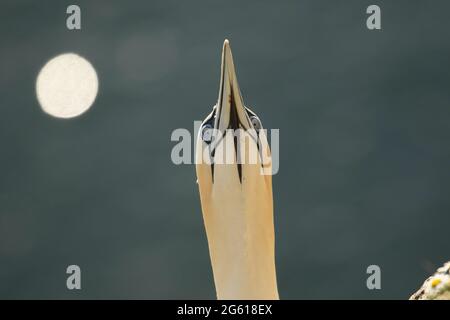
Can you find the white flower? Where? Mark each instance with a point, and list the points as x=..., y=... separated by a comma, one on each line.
x=437, y=284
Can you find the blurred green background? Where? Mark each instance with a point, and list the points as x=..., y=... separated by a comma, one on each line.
x=364, y=121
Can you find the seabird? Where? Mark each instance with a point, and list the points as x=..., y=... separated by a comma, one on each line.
x=236, y=196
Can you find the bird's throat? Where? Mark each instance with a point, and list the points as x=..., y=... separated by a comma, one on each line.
x=241, y=242
x=244, y=269
x=250, y=277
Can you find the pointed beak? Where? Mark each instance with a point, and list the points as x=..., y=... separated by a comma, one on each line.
x=230, y=110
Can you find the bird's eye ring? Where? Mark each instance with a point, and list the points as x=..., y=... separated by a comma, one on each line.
x=256, y=123
x=207, y=133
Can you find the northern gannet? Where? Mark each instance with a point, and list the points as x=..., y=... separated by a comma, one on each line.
x=236, y=198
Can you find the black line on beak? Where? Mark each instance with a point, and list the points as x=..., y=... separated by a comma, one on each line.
x=235, y=124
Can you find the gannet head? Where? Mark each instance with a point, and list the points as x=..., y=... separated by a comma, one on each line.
x=236, y=193
x=231, y=137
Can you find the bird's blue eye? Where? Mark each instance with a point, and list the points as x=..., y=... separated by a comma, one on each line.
x=256, y=123
x=207, y=133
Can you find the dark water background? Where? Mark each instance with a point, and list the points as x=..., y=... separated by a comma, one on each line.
x=364, y=119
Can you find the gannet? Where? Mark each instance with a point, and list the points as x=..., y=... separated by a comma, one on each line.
x=236, y=197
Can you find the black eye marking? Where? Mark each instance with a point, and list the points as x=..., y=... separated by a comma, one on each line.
x=207, y=133
x=256, y=123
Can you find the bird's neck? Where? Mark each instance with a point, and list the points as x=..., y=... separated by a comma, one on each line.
x=245, y=272
x=242, y=249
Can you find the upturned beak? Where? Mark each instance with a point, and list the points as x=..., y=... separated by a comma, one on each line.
x=230, y=110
